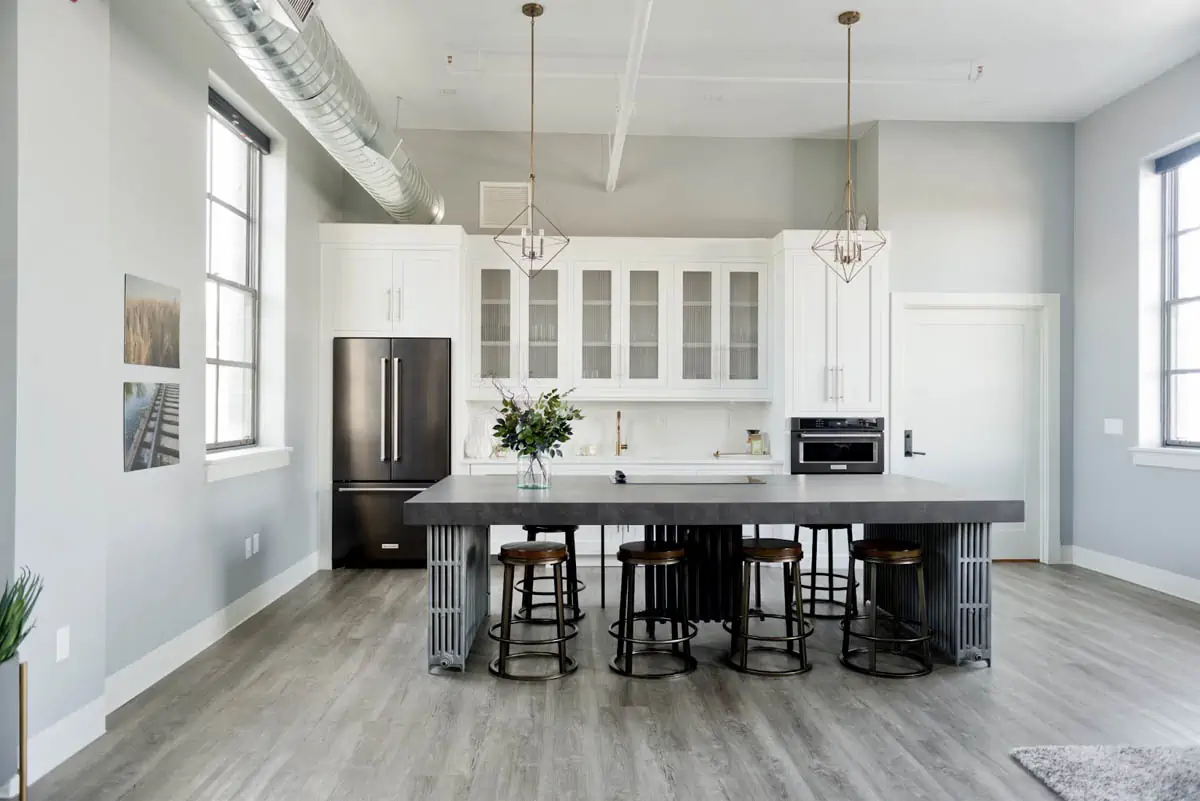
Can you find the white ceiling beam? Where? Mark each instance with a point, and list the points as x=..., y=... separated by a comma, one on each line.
x=626, y=99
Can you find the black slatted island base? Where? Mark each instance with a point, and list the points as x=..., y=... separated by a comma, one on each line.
x=952, y=526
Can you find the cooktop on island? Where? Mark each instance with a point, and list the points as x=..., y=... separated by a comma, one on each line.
x=619, y=477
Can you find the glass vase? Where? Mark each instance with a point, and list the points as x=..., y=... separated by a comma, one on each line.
x=533, y=472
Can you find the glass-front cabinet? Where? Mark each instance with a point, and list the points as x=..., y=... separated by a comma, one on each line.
x=697, y=362
x=597, y=297
x=544, y=365
x=518, y=326
x=496, y=323
x=744, y=361
x=644, y=290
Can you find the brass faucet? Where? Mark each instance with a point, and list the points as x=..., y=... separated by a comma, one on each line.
x=620, y=445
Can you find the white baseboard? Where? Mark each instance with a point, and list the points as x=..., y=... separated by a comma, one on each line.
x=53, y=746
x=130, y=681
x=1153, y=578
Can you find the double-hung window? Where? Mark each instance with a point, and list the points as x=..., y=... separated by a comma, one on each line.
x=235, y=151
x=1180, y=173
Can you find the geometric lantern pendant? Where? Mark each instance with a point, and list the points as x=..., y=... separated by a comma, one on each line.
x=845, y=249
x=531, y=241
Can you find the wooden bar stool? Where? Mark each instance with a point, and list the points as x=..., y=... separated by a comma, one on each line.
x=902, y=637
x=530, y=555
x=527, y=585
x=633, y=555
x=833, y=583
x=757, y=552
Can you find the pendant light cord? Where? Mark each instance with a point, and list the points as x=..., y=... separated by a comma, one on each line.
x=849, y=172
x=532, y=22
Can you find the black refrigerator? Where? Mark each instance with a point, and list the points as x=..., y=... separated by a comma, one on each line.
x=391, y=440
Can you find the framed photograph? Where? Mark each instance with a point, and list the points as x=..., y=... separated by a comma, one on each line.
x=151, y=323
x=151, y=425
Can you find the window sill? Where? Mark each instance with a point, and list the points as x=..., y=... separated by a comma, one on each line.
x=245, y=462
x=1172, y=458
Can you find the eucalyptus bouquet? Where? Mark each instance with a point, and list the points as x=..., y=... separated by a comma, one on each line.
x=535, y=430
x=16, y=612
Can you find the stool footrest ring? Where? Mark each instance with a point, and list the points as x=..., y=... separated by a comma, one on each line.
x=572, y=633
x=494, y=666
x=690, y=629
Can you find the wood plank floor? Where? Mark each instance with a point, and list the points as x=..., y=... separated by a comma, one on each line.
x=325, y=696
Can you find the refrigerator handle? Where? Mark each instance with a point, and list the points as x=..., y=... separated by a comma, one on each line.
x=397, y=367
x=383, y=410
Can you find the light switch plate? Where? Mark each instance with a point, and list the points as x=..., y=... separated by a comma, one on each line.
x=254, y=539
x=1114, y=426
x=249, y=547
x=62, y=644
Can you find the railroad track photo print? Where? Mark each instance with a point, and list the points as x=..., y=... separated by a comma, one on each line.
x=151, y=425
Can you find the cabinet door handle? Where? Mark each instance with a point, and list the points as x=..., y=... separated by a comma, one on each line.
x=841, y=376
x=399, y=313
x=830, y=384
x=389, y=305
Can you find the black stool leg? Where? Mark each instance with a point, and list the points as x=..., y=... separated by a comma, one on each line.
x=572, y=575
x=851, y=597
x=873, y=574
x=560, y=618
x=744, y=645
x=788, y=592
x=527, y=593
x=602, y=553
x=923, y=610
x=506, y=618
x=757, y=578
x=795, y=567
x=629, y=617
x=683, y=603
x=622, y=611
x=851, y=609
x=829, y=562
x=812, y=574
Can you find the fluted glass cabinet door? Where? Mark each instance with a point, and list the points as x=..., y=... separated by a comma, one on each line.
x=643, y=330
x=699, y=320
x=745, y=363
x=542, y=320
x=597, y=297
x=496, y=292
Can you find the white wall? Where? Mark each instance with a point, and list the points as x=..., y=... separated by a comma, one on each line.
x=668, y=186
x=866, y=175
x=1142, y=514
x=985, y=207
x=110, y=179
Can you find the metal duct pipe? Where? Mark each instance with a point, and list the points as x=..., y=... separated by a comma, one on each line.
x=309, y=75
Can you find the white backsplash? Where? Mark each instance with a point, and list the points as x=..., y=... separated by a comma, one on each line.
x=652, y=430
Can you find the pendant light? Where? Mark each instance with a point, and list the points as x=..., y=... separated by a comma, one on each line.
x=531, y=241
x=842, y=246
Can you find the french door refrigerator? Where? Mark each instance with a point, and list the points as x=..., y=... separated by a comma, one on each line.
x=391, y=440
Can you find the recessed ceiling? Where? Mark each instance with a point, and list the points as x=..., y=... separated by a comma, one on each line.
x=772, y=68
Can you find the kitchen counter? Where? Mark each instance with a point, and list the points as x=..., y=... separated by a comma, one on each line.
x=617, y=461
x=952, y=526
x=580, y=500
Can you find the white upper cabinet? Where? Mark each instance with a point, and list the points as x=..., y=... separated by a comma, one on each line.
x=745, y=354
x=496, y=312
x=545, y=362
x=391, y=292
x=697, y=328
x=517, y=330
x=644, y=293
x=597, y=325
x=839, y=361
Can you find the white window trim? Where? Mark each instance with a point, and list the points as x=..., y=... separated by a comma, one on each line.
x=1173, y=458
x=222, y=465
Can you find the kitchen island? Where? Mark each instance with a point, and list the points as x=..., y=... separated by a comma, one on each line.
x=951, y=525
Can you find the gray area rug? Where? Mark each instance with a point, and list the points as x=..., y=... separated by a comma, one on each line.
x=1115, y=772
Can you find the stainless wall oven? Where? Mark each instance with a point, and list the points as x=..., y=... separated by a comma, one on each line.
x=836, y=444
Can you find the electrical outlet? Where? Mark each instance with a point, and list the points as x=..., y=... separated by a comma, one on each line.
x=249, y=547
x=255, y=538
x=62, y=644
x=1114, y=426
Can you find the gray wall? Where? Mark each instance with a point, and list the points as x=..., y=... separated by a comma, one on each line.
x=176, y=552
x=985, y=207
x=866, y=175
x=668, y=186
x=8, y=342
x=1143, y=514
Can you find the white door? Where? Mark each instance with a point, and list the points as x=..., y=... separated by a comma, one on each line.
x=426, y=287
x=363, y=292
x=598, y=298
x=967, y=385
x=814, y=351
x=745, y=328
x=643, y=325
x=697, y=335
x=861, y=316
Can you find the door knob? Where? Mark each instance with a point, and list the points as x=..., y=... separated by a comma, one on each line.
x=908, y=450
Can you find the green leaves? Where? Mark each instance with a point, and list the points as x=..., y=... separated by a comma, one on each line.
x=529, y=427
x=16, y=611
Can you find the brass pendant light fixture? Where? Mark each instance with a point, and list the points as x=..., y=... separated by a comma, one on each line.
x=842, y=246
x=531, y=240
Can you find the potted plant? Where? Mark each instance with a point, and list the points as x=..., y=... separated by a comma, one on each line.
x=535, y=431
x=16, y=621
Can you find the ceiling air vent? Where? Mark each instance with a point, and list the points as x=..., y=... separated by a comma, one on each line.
x=292, y=13
x=500, y=203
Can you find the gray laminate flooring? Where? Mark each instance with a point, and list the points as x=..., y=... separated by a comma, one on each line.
x=325, y=696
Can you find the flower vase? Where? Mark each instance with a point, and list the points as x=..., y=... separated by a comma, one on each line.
x=533, y=472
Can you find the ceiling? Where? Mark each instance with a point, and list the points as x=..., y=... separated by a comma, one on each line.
x=772, y=68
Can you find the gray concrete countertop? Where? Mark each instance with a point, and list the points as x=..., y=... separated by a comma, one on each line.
x=592, y=500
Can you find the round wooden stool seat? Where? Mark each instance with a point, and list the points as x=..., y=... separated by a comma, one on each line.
x=649, y=553
x=891, y=551
x=772, y=550
x=533, y=553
